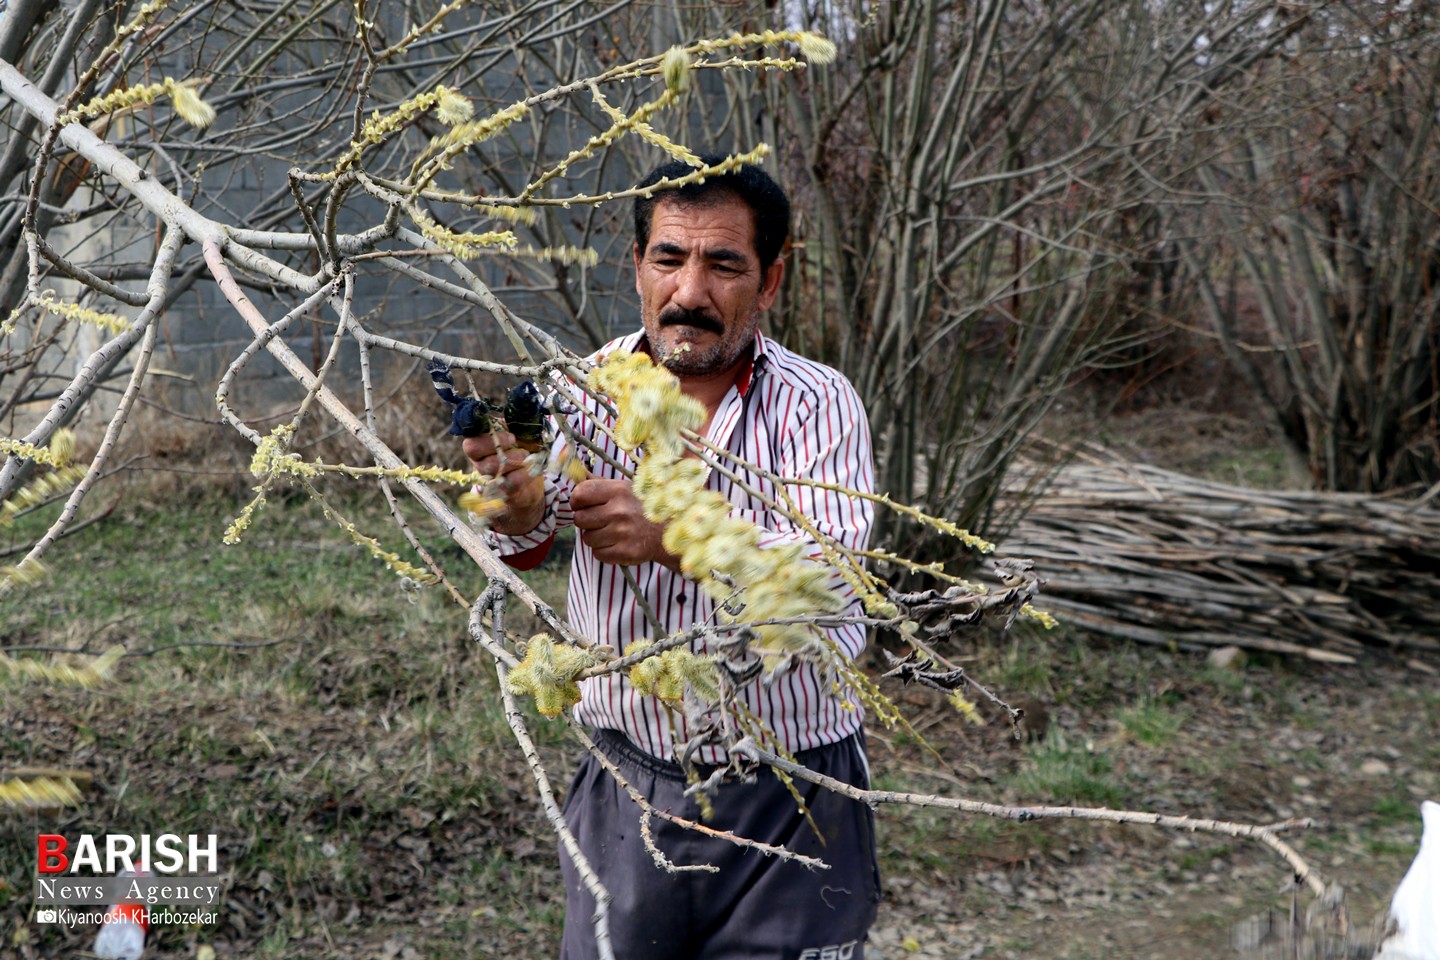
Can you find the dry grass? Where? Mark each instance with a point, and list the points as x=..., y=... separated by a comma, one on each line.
x=353, y=761
x=345, y=743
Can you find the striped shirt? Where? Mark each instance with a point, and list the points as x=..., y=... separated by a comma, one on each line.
x=793, y=418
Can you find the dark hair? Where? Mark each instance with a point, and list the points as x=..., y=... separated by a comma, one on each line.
x=751, y=185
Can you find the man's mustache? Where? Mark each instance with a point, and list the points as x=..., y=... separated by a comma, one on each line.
x=699, y=319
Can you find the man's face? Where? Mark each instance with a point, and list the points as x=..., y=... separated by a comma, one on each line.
x=702, y=285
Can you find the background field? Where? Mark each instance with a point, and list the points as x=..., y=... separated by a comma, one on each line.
x=346, y=745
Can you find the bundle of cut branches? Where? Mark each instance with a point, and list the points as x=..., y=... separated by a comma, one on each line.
x=1164, y=558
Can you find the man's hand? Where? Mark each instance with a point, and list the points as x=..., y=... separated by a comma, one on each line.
x=613, y=524
x=495, y=455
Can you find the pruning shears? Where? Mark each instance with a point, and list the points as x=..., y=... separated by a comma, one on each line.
x=523, y=413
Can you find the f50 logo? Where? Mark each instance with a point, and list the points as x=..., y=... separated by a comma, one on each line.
x=167, y=853
x=835, y=951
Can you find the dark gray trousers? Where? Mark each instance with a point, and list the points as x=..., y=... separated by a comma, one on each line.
x=756, y=906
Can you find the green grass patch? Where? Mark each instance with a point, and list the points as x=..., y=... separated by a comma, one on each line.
x=1394, y=809
x=1260, y=467
x=1386, y=848
x=1195, y=859
x=1151, y=722
x=1026, y=666
x=942, y=843
x=1227, y=683
x=1057, y=771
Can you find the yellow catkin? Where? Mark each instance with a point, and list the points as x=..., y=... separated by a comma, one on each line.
x=240, y=524
x=111, y=322
x=39, y=793
x=391, y=559
x=451, y=109
x=44, y=488
x=62, y=446
x=779, y=582
x=8, y=327
x=143, y=16
x=466, y=246
x=58, y=453
x=635, y=123
x=729, y=164
x=271, y=458
x=91, y=675
x=461, y=137
x=272, y=448
x=113, y=101
x=979, y=544
x=468, y=134
x=549, y=673
x=26, y=573
x=583, y=256
x=877, y=705
x=817, y=49
x=188, y=104
x=675, y=68
x=524, y=216
x=429, y=474
x=480, y=505
x=966, y=708
x=665, y=676
x=572, y=466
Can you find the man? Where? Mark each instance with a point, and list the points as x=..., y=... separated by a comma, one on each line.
x=707, y=264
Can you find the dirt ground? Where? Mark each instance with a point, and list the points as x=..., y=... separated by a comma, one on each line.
x=352, y=868
x=1355, y=750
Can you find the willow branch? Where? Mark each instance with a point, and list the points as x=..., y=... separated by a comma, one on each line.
x=147, y=320
x=458, y=530
x=1264, y=835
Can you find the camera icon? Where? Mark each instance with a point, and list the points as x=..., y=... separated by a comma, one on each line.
x=47, y=916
